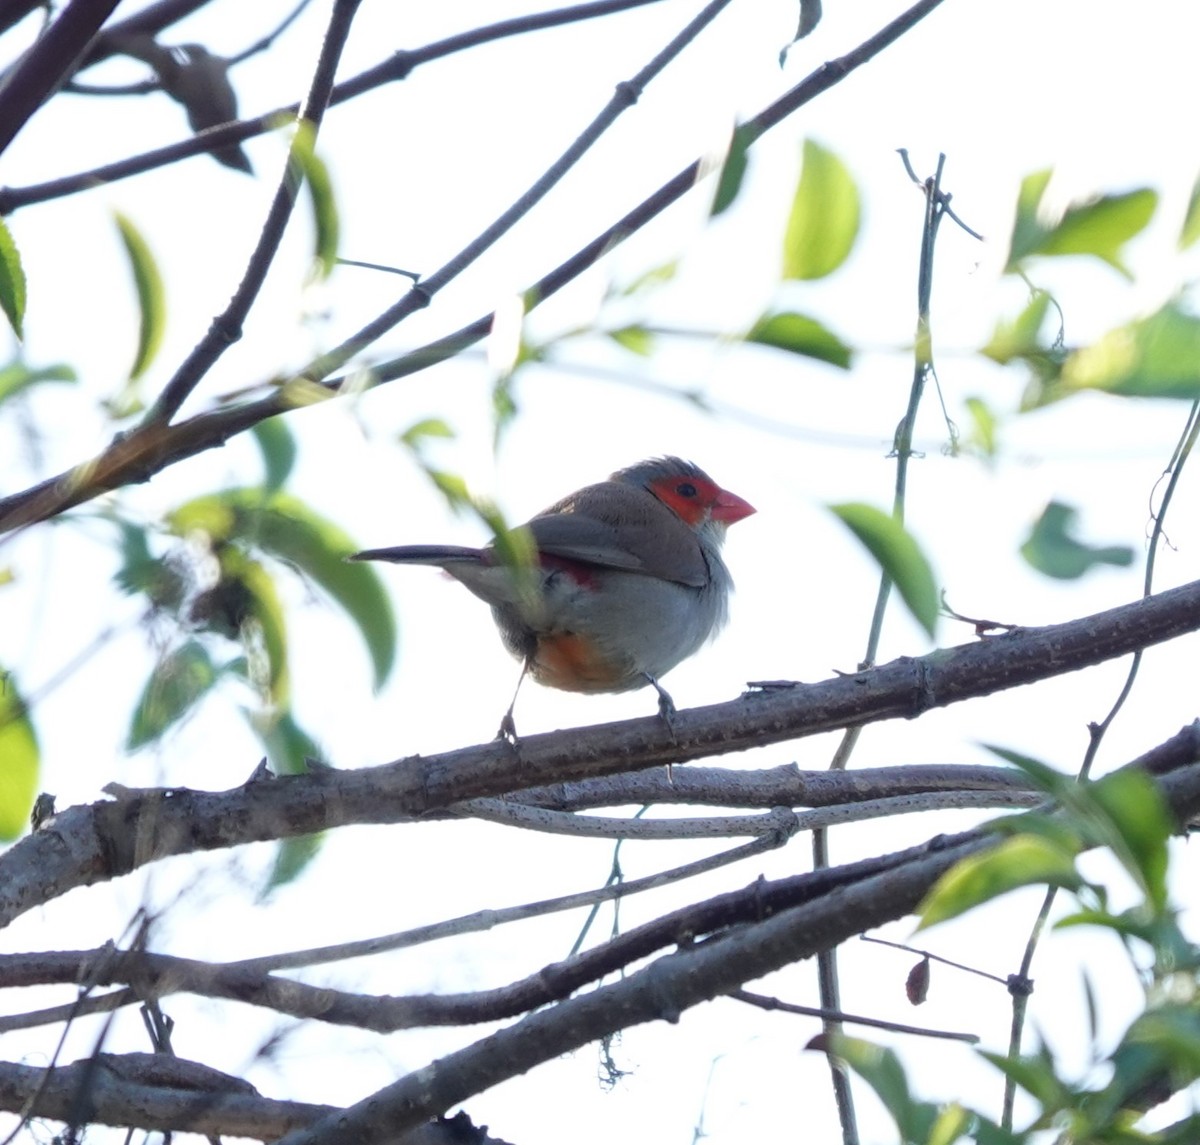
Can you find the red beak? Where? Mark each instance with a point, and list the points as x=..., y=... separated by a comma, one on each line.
x=729, y=507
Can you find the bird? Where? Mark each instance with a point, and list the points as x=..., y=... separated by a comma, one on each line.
x=626, y=582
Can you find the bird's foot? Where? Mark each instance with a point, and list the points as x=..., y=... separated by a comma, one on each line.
x=666, y=711
x=507, y=731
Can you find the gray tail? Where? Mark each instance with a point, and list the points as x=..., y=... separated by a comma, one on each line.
x=421, y=555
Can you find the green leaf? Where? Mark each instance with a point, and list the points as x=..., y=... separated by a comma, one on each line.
x=1190, y=231
x=177, y=683
x=800, y=334
x=164, y=584
x=1157, y=356
x=1100, y=227
x=152, y=306
x=881, y=1069
x=290, y=749
x=1052, y=550
x=952, y=1123
x=983, y=435
x=264, y=611
x=1020, y=861
x=1037, y=1075
x=1028, y=230
x=16, y=377
x=824, y=218
x=278, y=447
x=311, y=167
x=733, y=169
x=415, y=436
x=12, y=282
x=636, y=339
x=899, y=557
x=1018, y=338
x=647, y=281
x=284, y=527
x=1046, y=778
x=1135, y=808
x=20, y=760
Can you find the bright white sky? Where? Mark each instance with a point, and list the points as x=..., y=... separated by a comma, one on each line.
x=1099, y=90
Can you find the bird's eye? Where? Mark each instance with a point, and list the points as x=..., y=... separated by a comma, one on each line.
x=687, y=489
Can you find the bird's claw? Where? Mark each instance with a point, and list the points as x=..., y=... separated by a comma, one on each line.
x=508, y=730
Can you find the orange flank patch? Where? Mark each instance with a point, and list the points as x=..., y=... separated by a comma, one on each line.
x=573, y=664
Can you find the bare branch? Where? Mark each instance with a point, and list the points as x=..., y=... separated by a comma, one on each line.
x=137, y=457
x=89, y=844
x=676, y=982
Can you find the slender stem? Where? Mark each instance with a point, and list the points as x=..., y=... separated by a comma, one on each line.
x=139, y=456
x=827, y=970
x=421, y=294
x=1183, y=450
x=398, y=66
x=226, y=328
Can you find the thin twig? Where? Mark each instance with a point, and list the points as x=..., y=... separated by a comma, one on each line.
x=1020, y=998
x=397, y=67
x=226, y=328
x=140, y=457
x=765, y=1002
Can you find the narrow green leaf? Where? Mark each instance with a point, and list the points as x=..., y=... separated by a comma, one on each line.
x=1139, y=817
x=414, y=437
x=1157, y=356
x=733, y=169
x=177, y=683
x=1190, y=231
x=152, y=305
x=899, y=557
x=1052, y=550
x=284, y=527
x=824, y=218
x=1020, y=861
x=1028, y=230
x=1101, y=227
x=1037, y=1075
x=278, y=447
x=12, y=282
x=952, y=1123
x=983, y=435
x=20, y=760
x=647, y=281
x=17, y=377
x=163, y=584
x=800, y=334
x=636, y=339
x=313, y=170
x=264, y=611
x=1018, y=337
x=1046, y=778
x=880, y=1068
x=291, y=751
x=987, y=1132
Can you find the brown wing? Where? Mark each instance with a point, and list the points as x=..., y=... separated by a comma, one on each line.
x=620, y=526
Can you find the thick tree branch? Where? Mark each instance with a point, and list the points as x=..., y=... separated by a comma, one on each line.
x=101, y=841
x=151, y=975
x=155, y=1091
x=48, y=64
x=674, y=983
